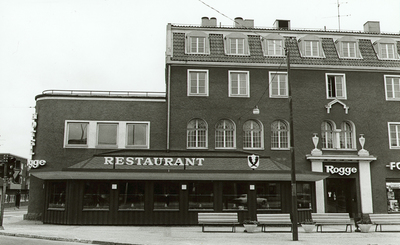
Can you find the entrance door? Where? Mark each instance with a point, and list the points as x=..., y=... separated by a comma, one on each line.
x=341, y=196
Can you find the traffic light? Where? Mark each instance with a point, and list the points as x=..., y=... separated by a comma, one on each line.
x=2, y=170
x=10, y=167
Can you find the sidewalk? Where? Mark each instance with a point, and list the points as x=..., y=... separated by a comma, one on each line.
x=14, y=225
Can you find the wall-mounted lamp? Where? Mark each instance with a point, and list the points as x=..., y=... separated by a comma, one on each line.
x=256, y=111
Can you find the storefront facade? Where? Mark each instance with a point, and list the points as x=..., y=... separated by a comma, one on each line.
x=218, y=139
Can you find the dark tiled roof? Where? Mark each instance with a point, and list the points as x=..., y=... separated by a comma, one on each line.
x=217, y=53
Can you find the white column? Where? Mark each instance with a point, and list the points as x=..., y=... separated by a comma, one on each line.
x=365, y=187
x=316, y=166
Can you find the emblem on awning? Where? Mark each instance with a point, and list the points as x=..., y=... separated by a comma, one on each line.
x=253, y=161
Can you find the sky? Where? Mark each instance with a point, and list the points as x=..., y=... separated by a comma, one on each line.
x=108, y=44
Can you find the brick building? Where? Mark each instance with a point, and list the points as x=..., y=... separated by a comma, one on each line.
x=218, y=140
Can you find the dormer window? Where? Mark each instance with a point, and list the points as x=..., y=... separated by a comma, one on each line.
x=311, y=46
x=347, y=47
x=236, y=44
x=386, y=49
x=273, y=45
x=197, y=43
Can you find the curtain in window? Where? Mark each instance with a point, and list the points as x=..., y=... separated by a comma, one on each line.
x=225, y=134
x=279, y=135
x=197, y=134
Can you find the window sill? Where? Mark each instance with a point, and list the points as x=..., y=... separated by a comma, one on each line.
x=130, y=210
x=253, y=149
x=280, y=149
x=166, y=210
x=198, y=210
x=338, y=149
x=95, y=209
x=55, y=209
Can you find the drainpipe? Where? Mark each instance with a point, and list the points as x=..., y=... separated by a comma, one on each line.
x=168, y=104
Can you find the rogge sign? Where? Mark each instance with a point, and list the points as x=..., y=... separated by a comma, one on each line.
x=340, y=170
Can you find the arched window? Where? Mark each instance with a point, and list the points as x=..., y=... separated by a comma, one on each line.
x=197, y=134
x=347, y=136
x=225, y=134
x=252, y=135
x=327, y=134
x=279, y=135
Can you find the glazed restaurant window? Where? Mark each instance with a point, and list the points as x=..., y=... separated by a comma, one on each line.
x=96, y=195
x=268, y=196
x=77, y=133
x=279, y=135
x=166, y=195
x=393, y=196
x=201, y=195
x=57, y=194
x=225, y=134
x=252, y=135
x=234, y=196
x=137, y=134
x=131, y=196
x=304, y=195
x=107, y=134
x=197, y=134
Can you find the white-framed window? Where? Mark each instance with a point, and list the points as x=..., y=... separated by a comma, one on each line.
x=137, y=135
x=197, y=43
x=394, y=135
x=347, y=48
x=336, y=86
x=392, y=87
x=236, y=44
x=107, y=134
x=252, y=135
x=386, y=49
x=239, y=84
x=338, y=138
x=77, y=134
x=197, y=131
x=197, y=82
x=273, y=45
x=225, y=134
x=279, y=135
x=311, y=46
x=278, y=85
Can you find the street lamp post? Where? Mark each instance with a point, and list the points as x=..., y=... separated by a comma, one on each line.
x=292, y=156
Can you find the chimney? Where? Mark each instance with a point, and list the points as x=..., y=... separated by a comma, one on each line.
x=372, y=26
x=240, y=23
x=209, y=22
x=282, y=24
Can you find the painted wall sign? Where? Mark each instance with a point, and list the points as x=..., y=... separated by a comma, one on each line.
x=157, y=161
x=394, y=165
x=340, y=170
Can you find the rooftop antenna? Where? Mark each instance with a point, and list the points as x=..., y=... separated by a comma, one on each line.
x=338, y=12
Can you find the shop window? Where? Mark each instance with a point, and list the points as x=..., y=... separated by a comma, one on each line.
x=131, y=196
x=279, y=135
x=304, y=195
x=137, y=134
x=197, y=84
x=268, y=196
x=96, y=195
x=252, y=135
x=197, y=134
x=239, y=84
x=77, y=133
x=225, y=134
x=392, y=87
x=393, y=196
x=166, y=195
x=201, y=195
x=394, y=135
x=278, y=85
x=234, y=195
x=336, y=86
x=57, y=192
x=107, y=134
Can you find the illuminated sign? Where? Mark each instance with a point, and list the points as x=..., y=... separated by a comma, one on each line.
x=340, y=170
x=157, y=161
x=394, y=165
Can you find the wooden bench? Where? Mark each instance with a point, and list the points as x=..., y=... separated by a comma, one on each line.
x=321, y=219
x=218, y=219
x=384, y=219
x=273, y=219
